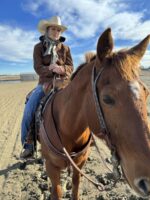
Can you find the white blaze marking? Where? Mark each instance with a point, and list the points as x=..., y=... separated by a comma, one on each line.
x=135, y=88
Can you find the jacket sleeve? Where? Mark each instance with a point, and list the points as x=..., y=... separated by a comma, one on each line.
x=68, y=64
x=40, y=69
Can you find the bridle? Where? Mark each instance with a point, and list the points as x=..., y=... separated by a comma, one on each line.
x=104, y=132
x=95, y=78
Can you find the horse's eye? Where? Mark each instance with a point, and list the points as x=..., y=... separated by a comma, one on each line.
x=108, y=100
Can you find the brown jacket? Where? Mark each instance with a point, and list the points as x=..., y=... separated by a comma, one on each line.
x=41, y=62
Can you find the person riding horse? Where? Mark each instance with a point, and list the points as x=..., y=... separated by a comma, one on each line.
x=51, y=57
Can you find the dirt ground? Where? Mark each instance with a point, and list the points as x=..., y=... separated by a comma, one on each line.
x=28, y=181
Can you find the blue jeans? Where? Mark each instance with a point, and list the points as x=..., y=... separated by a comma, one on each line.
x=29, y=113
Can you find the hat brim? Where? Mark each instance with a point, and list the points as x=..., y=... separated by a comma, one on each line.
x=43, y=24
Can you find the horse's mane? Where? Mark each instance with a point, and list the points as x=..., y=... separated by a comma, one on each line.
x=89, y=56
x=127, y=65
x=77, y=70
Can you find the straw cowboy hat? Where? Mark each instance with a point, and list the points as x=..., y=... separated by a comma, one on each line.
x=54, y=21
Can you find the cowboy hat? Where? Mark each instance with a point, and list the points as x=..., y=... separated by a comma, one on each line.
x=54, y=21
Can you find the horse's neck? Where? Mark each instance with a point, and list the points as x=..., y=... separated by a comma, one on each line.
x=71, y=104
x=74, y=111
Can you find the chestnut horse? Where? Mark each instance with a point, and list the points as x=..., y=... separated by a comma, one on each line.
x=73, y=113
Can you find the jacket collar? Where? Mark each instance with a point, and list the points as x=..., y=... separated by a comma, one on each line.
x=62, y=39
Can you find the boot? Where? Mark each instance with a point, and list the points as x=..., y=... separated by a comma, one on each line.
x=27, y=153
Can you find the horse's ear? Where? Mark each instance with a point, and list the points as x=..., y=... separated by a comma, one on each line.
x=140, y=48
x=105, y=44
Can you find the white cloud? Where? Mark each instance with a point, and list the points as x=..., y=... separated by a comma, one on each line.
x=32, y=6
x=16, y=44
x=129, y=26
x=85, y=19
x=88, y=17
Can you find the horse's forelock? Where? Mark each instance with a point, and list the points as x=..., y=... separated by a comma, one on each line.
x=127, y=65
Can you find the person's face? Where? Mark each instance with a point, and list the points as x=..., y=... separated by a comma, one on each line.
x=54, y=32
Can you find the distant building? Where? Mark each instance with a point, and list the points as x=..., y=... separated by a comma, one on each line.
x=28, y=77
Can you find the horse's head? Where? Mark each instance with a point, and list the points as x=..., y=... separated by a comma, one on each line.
x=123, y=100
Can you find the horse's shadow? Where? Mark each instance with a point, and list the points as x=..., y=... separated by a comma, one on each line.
x=20, y=165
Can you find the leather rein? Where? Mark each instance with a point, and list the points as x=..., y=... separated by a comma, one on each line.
x=103, y=131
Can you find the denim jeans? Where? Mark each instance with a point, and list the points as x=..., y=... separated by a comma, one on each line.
x=29, y=113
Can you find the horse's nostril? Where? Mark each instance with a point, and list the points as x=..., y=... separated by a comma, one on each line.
x=144, y=186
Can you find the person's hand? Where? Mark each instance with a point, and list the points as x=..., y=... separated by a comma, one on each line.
x=59, y=70
x=52, y=66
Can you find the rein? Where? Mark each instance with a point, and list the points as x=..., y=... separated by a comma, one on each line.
x=64, y=153
x=50, y=98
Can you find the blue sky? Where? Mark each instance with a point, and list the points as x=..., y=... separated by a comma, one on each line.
x=85, y=19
